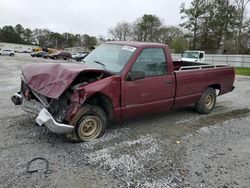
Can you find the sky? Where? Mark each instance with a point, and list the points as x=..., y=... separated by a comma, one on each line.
x=93, y=17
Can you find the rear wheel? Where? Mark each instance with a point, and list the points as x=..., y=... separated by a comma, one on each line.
x=90, y=122
x=207, y=101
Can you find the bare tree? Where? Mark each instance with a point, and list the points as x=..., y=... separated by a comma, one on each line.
x=121, y=31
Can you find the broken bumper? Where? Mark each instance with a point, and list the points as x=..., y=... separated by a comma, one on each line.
x=44, y=117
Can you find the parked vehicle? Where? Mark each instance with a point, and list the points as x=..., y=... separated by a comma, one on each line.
x=33, y=54
x=60, y=55
x=39, y=54
x=118, y=80
x=46, y=55
x=37, y=49
x=7, y=52
x=79, y=56
x=193, y=56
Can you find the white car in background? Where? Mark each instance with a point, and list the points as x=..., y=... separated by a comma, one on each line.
x=193, y=56
x=7, y=52
x=79, y=56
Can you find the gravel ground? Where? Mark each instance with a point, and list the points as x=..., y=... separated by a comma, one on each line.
x=176, y=149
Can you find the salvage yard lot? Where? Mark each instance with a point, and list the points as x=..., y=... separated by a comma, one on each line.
x=179, y=148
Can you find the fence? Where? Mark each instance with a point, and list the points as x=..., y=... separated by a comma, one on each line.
x=233, y=60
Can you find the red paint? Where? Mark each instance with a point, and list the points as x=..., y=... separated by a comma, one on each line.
x=130, y=98
x=53, y=79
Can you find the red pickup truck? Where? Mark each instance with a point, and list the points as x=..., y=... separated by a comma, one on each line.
x=118, y=80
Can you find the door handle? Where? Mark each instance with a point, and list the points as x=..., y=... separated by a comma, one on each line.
x=168, y=82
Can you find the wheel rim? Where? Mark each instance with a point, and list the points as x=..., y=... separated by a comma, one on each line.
x=209, y=101
x=89, y=128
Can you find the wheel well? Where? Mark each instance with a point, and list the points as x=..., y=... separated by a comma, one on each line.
x=102, y=101
x=216, y=87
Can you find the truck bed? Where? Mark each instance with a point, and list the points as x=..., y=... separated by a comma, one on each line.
x=194, y=78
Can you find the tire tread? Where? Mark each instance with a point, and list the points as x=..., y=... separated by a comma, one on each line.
x=200, y=105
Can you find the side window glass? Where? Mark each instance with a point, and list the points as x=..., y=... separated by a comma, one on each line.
x=152, y=62
x=201, y=55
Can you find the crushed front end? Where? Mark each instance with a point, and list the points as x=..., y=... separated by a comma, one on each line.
x=51, y=112
x=55, y=96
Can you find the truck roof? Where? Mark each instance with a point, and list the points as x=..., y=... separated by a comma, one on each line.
x=195, y=51
x=137, y=44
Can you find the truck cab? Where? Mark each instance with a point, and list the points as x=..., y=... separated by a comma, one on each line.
x=193, y=56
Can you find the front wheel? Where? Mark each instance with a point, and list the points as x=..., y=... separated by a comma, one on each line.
x=207, y=101
x=90, y=122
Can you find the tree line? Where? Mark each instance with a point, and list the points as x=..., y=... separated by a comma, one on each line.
x=149, y=28
x=45, y=37
x=216, y=26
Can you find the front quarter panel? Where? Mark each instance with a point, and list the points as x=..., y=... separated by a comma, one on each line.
x=109, y=87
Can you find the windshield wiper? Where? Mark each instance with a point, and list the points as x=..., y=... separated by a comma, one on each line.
x=98, y=62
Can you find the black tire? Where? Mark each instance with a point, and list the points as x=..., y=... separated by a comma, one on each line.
x=206, y=103
x=11, y=54
x=90, y=122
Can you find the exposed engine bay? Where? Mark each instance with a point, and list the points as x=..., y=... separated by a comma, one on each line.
x=59, y=107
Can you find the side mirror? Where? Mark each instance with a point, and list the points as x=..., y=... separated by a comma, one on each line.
x=136, y=75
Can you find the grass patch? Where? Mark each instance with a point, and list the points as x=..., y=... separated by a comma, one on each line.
x=243, y=71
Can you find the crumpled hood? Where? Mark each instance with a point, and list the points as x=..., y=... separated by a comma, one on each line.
x=52, y=79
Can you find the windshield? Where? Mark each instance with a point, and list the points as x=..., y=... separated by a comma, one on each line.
x=191, y=55
x=111, y=57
